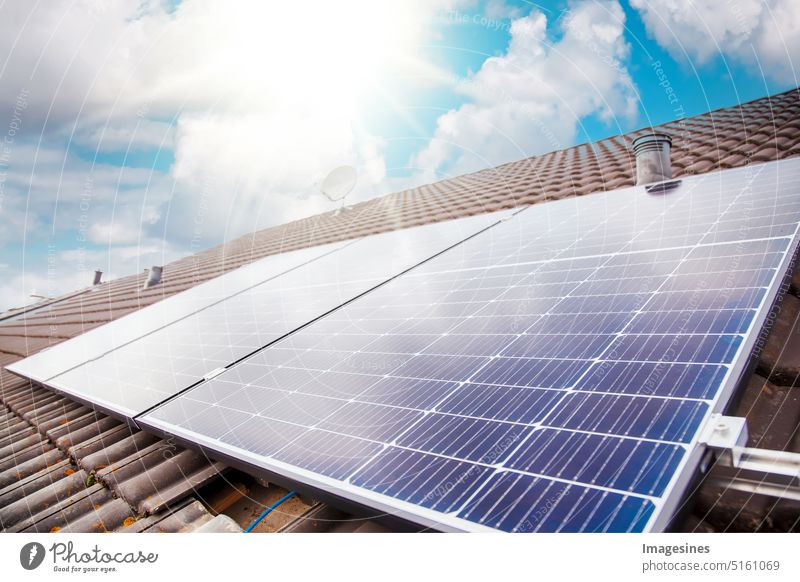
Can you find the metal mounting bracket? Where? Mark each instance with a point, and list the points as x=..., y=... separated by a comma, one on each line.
x=727, y=435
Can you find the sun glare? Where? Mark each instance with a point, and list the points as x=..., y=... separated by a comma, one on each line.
x=319, y=54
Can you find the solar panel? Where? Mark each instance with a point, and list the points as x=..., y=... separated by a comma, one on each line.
x=550, y=374
x=135, y=376
x=95, y=343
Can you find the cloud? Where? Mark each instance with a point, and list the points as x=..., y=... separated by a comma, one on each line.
x=114, y=233
x=126, y=135
x=499, y=9
x=49, y=191
x=762, y=34
x=532, y=98
x=86, y=62
x=237, y=173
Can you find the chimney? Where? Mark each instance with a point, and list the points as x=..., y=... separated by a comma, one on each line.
x=652, y=158
x=154, y=278
x=98, y=275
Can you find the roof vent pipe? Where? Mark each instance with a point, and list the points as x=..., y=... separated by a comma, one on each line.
x=652, y=158
x=98, y=275
x=154, y=277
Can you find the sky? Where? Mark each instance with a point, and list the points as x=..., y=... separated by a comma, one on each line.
x=135, y=133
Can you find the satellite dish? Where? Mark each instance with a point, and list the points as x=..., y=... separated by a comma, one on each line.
x=338, y=183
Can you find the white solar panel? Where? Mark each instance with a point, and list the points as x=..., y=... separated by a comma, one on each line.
x=99, y=341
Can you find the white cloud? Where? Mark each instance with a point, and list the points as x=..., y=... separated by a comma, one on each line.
x=48, y=191
x=114, y=233
x=532, y=98
x=237, y=173
x=498, y=9
x=91, y=62
x=762, y=34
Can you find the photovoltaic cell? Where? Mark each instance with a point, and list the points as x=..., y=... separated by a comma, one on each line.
x=550, y=374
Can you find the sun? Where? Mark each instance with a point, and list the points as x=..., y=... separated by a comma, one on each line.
x=319, y=54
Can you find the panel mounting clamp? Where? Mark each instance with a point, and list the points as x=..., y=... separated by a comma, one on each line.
x=213, y=373
x=727, y=435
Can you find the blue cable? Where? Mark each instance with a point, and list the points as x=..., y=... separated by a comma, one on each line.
x=269, y=510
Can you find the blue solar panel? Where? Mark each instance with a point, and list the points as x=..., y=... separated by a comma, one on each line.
x=128, y=379
x=550, y=374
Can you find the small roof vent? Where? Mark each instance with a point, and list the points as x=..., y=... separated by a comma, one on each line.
x=153, y=277
x=98, y=276
x=652, y=158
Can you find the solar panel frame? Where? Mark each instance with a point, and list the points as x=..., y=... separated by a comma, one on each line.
x=658, y=519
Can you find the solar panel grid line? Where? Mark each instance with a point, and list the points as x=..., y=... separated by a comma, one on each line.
x=692, y=380
x=572, y=509
x=567, y=295
x=639, y=311
x=380, y=282
x=674, y=426
x=537, y=450
x=671, y=505
x=643, y=308
x=234, y=427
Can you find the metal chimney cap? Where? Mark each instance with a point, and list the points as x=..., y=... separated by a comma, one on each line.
x=651, y=140
x=652, y=151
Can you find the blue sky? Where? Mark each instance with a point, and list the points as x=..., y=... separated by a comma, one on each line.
x=142, y=133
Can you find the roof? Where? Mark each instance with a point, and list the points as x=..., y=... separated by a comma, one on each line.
x=65, y=467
